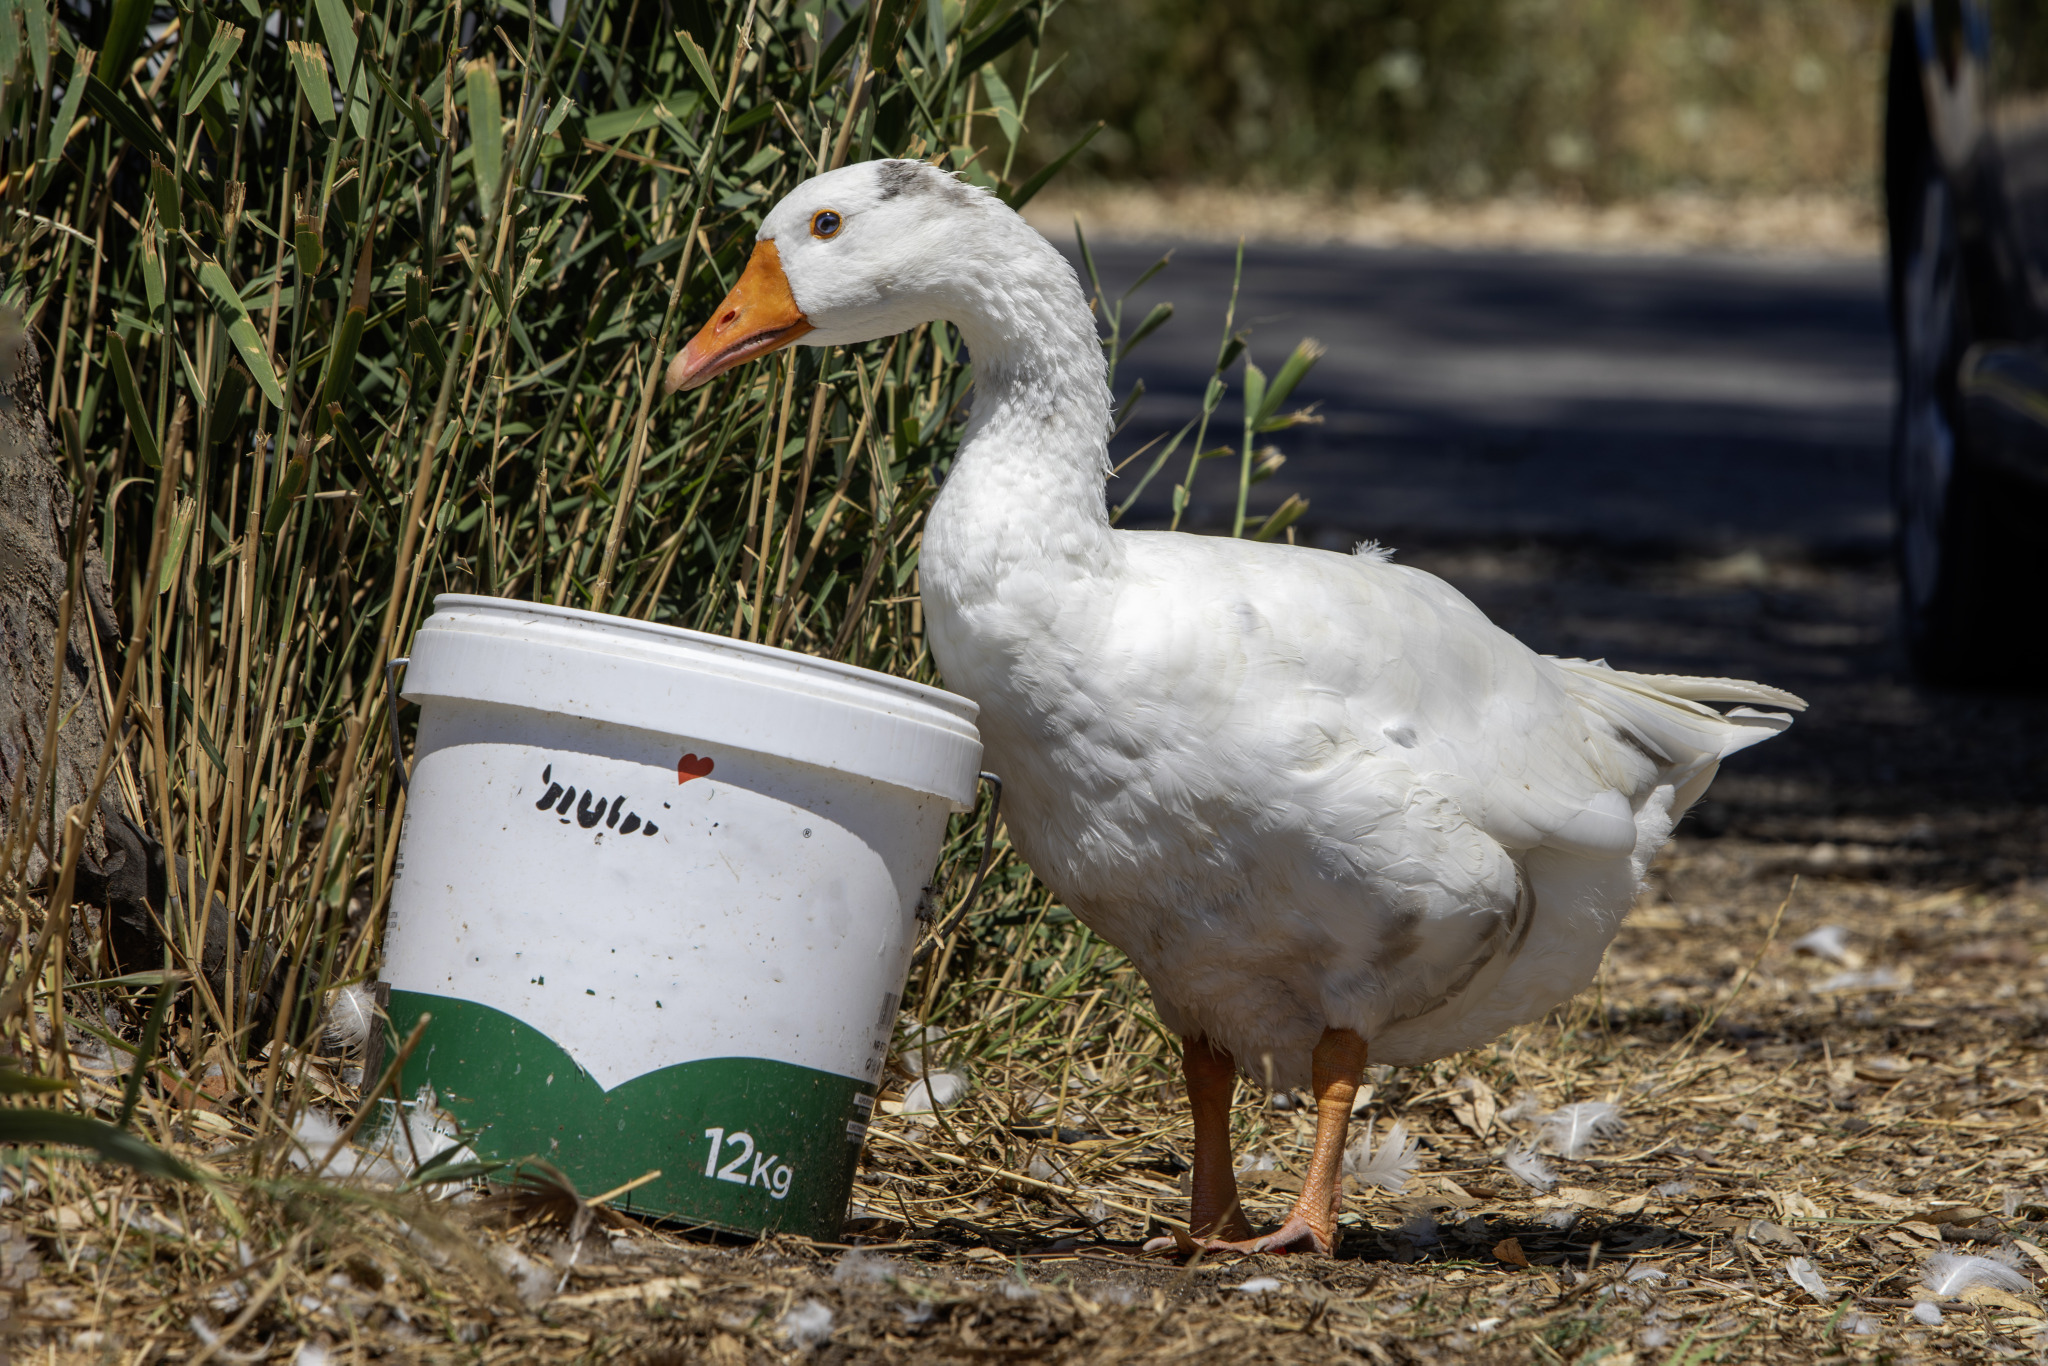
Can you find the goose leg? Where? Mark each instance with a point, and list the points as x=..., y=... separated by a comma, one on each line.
x=1213, y=1213
x=1212, y=1081
x=1339, y=1064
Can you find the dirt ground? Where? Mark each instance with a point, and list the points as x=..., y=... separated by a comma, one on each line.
x=1840, y=1112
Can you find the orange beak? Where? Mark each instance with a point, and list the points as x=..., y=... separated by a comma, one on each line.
x=759, y=316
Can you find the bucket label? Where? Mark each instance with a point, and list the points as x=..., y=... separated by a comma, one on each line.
x=746, y=1144
x=591, y=808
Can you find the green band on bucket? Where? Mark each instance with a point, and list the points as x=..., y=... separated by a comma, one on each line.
x=745, y=1144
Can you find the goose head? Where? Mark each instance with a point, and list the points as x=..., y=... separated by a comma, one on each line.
x=862, y=252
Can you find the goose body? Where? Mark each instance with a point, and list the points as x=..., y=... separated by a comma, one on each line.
x=1319, y=799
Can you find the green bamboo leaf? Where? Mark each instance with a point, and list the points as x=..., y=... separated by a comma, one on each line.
x=1154, y=320
x=152, y=273
x=1018, y=198
x=701, y=64
x=486, y=131
x=184, y=698
x=427, y=345
x=1232, y=349
x=163, y=188
x=1306, y=353
x=21, y=1126
x=15, y=1082
x=174, y=554
x=1254, y=392
x=145, y=1055
x=341, y=355
x=564, y=108
x=338, y=27
x=220, y=51
x=242, y=333
x=36, y=14
x=116, y=109
x=228, y=303
x=131, y=400
x=835, y=52
x=995, y=41
x=1283, y=517
x=416, y=295
x=408, y=103
x=890, y=25
x=1005, y=105
x=431, y=1173
x=760, y=113
x=192, y=382
x=10, y=39
x=309, y=63
x=288, y=490
x=306, y=245
x=67, y=113
x=1161, y=264
x=1121, y=418
x=124, y=32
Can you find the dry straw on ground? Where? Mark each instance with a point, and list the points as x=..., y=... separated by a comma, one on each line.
x=1843, y=1114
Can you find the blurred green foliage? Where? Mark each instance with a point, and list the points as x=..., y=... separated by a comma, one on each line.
x=1471, y=97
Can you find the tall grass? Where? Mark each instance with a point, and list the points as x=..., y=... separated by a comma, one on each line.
x=343, y=307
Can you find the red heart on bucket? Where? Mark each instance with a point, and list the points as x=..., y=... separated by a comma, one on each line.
x=690, y=766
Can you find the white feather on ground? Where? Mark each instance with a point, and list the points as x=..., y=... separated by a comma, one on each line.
x=934, y=1092
x=1524, y=1106
x=1806, y=1278
x=860, y=1267
x=807, y=1325
x=1528, y=1167
x=1573, y=1129
x=315, y=1134
x=1391, y=1166
x=1829, y=941
x=382, y=1157
x=349, y=1018
x=1953, y=1274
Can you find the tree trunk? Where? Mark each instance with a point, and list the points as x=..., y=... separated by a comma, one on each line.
x=36, y=526
x=121, y=866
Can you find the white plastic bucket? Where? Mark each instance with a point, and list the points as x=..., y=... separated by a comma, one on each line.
x=659, y=891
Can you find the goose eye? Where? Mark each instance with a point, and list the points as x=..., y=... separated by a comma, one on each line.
x=824, y=223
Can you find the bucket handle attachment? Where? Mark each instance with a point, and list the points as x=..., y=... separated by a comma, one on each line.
x=398, y=766
x=988, y=844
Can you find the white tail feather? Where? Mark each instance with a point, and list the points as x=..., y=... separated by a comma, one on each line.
x=1951, y=1274
x=1572, y=1129
x=1391, y=1167
x=1529, y=1167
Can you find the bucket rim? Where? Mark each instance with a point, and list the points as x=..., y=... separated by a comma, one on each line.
x=964, y=708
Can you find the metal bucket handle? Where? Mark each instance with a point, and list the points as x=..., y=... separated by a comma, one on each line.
x=988, y=844
x=391, y=668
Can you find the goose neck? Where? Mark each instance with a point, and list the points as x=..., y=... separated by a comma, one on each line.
x=1036, y=442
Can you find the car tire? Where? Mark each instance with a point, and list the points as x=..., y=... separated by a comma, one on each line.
x=1971, y=574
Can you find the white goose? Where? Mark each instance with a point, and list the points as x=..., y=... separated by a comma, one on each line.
x=1318, y=799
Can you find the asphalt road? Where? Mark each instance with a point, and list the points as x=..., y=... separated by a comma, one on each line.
x=1685, y=402
x=1677, y=464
